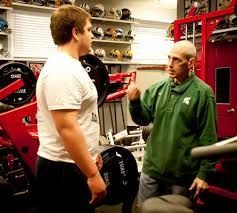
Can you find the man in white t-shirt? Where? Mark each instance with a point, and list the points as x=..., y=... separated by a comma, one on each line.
x=67, y=176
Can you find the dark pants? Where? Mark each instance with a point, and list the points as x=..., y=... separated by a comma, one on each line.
x=61, y=187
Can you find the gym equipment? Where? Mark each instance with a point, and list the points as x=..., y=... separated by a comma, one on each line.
x=228, y=146
x=99, y=75
x=221, y=193
x=11, y=72
x=119, y=169
x=120, y=174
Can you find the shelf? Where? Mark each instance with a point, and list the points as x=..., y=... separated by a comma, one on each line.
x=16, y=4
x=214, y=32
x=114, y=20
x=224, y=30
x=5, y=8
x=119, y=62
x=113, y=41
x=5, y=59
x=30, y=59
x=3, y=33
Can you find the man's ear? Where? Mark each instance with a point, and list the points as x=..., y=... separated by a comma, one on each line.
x=191, y=63
x=75, y=33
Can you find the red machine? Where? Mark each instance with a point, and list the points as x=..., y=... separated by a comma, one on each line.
x=215, y=62
x=216, y=65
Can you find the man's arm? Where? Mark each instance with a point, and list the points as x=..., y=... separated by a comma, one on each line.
x=138, y=113
x=75, y=143
x=208, y=135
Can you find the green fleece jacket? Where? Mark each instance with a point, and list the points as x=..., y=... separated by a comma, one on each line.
x=183, y=117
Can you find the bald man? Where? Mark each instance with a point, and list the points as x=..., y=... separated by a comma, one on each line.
x=182, y=109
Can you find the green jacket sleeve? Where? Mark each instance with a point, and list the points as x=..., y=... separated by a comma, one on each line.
x=208, y=134
x=141, y=109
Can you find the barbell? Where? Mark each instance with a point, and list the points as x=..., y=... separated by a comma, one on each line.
x=13, y=71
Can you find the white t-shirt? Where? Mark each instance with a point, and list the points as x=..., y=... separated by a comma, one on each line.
x=64, y=84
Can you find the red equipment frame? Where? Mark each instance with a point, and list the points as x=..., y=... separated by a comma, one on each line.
x=120, y=77
x=209, y=22
x=24, y=135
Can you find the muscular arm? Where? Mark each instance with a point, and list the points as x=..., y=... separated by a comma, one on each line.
x=74, y=140
x=75, y=143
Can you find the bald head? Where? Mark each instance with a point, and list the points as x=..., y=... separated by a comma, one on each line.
x=186, y=48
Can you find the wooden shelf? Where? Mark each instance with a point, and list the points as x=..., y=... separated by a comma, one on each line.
x=16, y=4
x=5, y=8
x=113, y=41
x=5, y=59
x=114, y=20
x=3, y=33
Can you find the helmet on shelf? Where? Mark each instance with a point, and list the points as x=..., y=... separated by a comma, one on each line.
x=39, y=2
x=130, y=36
x=128, y=54
x=100, y=53
x=126, y=14
x=3, y=24
x=98, y=10
x=54, y=3
x=119, y=33
x=98, y=32
x=115, y=54
x=233, y=20
x=114, y=14
x=85, y=6
x=110, y=33
x=170, y=30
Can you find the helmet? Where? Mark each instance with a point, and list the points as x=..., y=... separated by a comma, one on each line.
x=54, y=3
x=130, y=36
x=98, y=32
x=39, y=2
x=98, y=10
x=115, y=54
x=126, y=14
x=114, y=14
x=170, y=30
x=100, y=53
x=233, y=20
x=127, y=54
x=72, y=2
x=119, y=33
x=110, y=33
x=3, y=24
x=85, y=6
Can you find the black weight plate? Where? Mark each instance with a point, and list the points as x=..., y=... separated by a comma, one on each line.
x=120, y=174
x=11, y=72
x=98, y=73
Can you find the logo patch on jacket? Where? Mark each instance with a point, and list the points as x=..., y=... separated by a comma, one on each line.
x=186, y=100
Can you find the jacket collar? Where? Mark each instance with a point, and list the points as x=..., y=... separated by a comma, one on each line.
x=181, y=88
